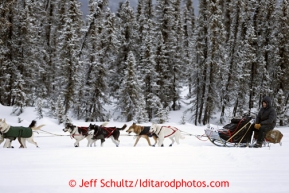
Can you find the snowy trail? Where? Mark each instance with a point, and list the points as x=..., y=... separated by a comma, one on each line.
x=51, y=167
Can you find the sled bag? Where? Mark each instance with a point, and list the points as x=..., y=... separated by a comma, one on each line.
x=236, y=120
x=274, y=136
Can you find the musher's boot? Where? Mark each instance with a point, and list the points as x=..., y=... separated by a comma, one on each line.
x=258, y=145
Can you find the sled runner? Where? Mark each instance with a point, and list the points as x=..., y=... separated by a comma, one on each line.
x=235, y=134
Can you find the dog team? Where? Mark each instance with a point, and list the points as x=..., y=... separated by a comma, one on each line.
x=92, y=133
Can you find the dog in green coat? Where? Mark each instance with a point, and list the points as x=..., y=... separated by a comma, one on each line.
x=22, y=133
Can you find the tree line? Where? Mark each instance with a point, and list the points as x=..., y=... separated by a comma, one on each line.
x=228, y=57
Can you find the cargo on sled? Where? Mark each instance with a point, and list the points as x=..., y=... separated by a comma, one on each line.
x=235, y=134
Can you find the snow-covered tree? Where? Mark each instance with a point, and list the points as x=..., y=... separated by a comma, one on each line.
x=215, y=62
x=131, y=103
x=68, y=52
x=39, y=109
x=188, y=20
x=6, y=68
x=60, y=110
x=198, y=76
x=98, y=49
x=279, y=51
x=127, y=37
x=170, y=25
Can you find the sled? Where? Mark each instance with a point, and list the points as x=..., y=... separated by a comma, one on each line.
x=235, y=134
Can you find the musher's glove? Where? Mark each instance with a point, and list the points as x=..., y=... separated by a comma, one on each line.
x=257, y=126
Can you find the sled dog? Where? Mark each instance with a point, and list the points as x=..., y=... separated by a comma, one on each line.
x=166, y=132
x=22, y=133
x=142, y=132
x=101, y=132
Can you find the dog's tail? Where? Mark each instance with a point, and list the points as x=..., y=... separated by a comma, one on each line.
x=32, y=124
x=104, y=124
x=179, y=136
x=123, y=127
x=38, y=127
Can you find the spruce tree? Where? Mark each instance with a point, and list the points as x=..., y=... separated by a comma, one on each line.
x=127, y=37
x=96, y=54
x=188, y=20
x=131, y=103
x=6, y=41
x=281, y=69
x=216, y=66
x=198, y=76
x=68, y=49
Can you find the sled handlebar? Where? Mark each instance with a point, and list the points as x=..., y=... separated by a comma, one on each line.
x=252, y=121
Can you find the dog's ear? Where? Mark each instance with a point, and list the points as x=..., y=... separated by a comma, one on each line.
x=133, y=124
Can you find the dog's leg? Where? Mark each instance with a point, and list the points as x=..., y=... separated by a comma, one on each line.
x=161, y=140
x=21, y=144
x=1, y=139
x=115, y=141
x=160, y=143
x=94, y=143
x=76, y=144
x=114, y=137
x=148, y=140
x=7, y=143
x=89, y=141
x=177, y=137
x=155, y=138
x=30, y=140
x=24, y=143
x=102, y=141
x=136, y=141
x=173, y=141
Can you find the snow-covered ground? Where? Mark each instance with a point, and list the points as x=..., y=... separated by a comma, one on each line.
x=192, y=166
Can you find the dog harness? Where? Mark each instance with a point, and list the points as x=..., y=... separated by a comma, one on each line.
x=145, y=131
x=81, y=130
x=109, y=131
x=172, y=128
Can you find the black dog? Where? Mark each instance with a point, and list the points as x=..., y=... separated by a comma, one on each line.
x=101, y=132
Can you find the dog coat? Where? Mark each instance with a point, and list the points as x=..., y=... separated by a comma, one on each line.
x=23, y=132
x=146, y=131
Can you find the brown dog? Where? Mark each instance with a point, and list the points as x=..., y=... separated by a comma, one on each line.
x=142, y=131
